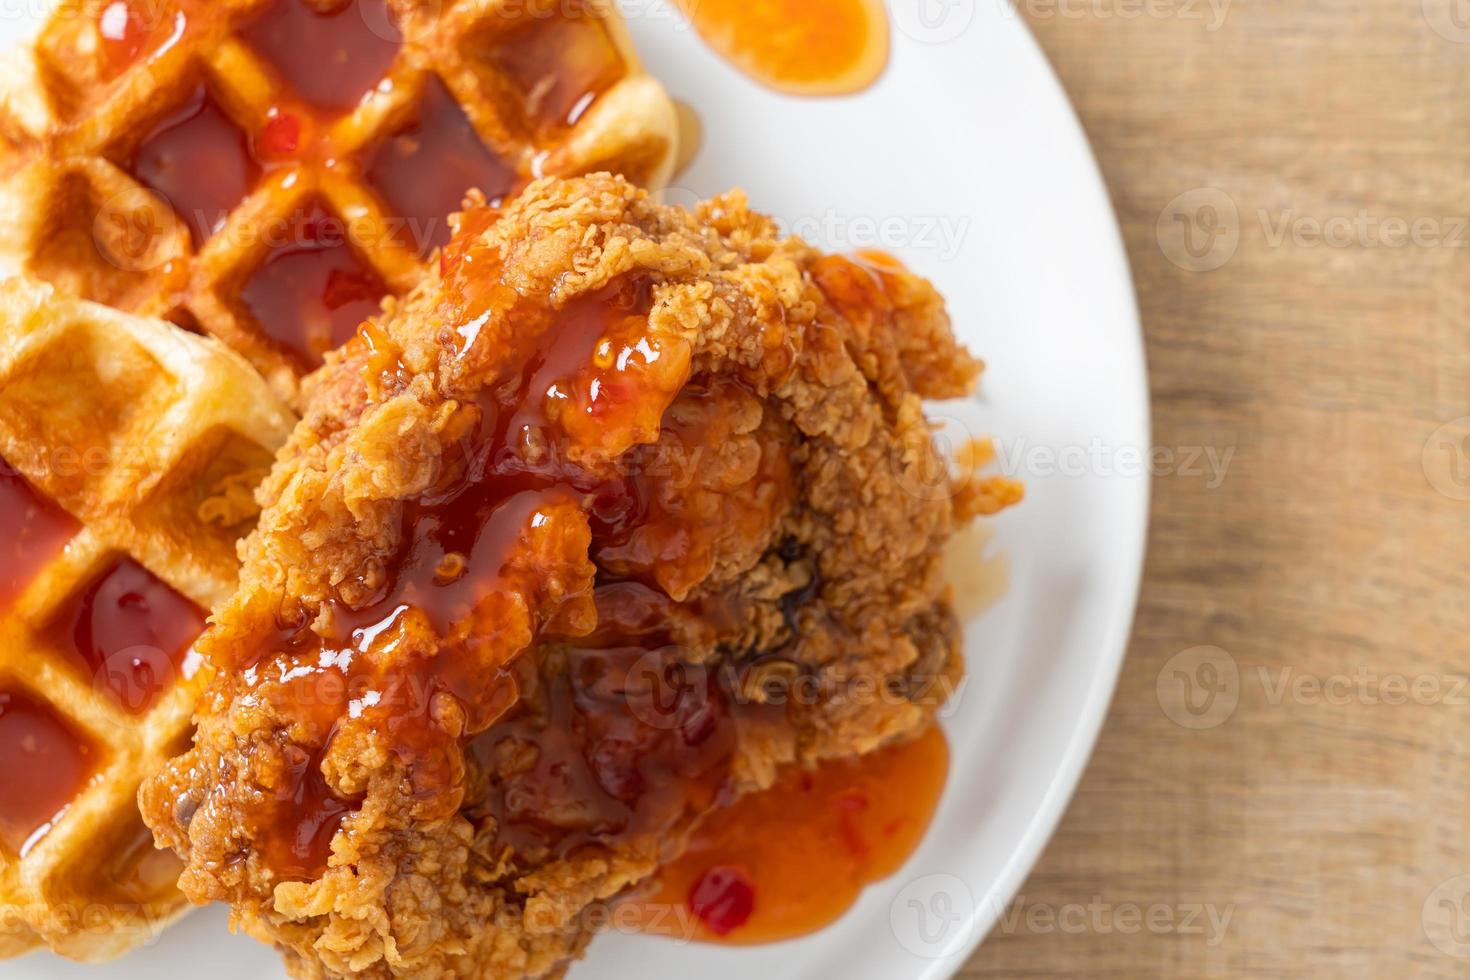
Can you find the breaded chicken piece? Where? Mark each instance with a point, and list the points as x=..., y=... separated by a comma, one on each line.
x=624, y=509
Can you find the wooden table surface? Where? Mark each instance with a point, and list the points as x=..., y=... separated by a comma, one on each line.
x=1293, y=799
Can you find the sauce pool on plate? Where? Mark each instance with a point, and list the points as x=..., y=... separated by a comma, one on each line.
x=790, y=861
x=801, y=47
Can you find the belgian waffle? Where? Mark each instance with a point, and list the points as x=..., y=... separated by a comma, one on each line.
x=131, y=452
x=266, y=171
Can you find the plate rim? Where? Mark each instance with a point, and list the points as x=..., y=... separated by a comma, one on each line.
x=1113, y=648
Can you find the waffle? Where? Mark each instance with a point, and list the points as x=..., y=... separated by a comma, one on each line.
x=311, y=155
x=132, y=449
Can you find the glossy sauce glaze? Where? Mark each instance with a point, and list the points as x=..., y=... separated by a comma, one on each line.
x=546, y=68
x=33, y=531
x=617, y=739
x=424, y=169
x=129, y=635
x=490, y=559
x=131, y=31
x=557, y=61
x=312, y=290
x=620, y=741
x=329, y=56
x=44, y=764
x=787, y=862
x=625, y=737
x=802, y=47
x=198, y=161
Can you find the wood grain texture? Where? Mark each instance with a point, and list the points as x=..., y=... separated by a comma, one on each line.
x=1322, y=819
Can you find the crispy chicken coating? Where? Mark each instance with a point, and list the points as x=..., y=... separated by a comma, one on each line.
x=622, y=510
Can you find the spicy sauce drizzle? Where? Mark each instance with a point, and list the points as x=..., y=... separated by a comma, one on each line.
x=132, y=31
x=312, y=290
x=616, y=740
x=492, y=558
x=330, y=57
x=44, y=764
x=200, y=162
x=424, y=169
x=33, y=531
x=545, y=68
x=129, y=634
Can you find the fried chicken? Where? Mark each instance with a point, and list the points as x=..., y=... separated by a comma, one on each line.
x=622, y=510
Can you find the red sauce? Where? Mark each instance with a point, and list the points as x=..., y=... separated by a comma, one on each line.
x=597, y=336
x=424, y=170
x=859, y=285
x=804, y=47
x=559, y=63
x=619, y=736
x=490, y=558
x=130, y=634
x=132, y=30
x=281, y=138
x=723, y=899
x=625, y=742
x=622, y=740
x=43, y=766
x=200, y=162
x=312, y=291
x=308, y=815
x=33, y=529
x=789, y=861
x=331, y=60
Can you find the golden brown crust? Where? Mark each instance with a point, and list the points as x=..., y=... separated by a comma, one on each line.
x=785, y=555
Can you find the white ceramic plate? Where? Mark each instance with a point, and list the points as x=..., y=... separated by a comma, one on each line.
x=966, y=160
